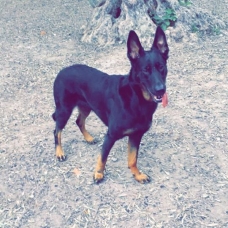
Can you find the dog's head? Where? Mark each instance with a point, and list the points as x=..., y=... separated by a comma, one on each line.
x=149, y=68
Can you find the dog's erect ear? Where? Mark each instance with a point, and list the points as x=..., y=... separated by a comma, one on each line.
x=134, y=47
x=160, y=42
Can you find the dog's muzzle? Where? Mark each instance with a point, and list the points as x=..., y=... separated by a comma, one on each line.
x=150, y=96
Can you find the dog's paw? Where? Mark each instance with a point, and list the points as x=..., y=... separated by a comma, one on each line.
x=60, y=154
x=142, y=178
x=62, y=158
x=98, y=177
x=91, y=141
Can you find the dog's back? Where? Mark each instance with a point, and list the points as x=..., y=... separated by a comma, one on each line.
x=71, y=88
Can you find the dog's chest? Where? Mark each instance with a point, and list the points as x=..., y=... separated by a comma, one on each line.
x=136, y=129
x=137, y=125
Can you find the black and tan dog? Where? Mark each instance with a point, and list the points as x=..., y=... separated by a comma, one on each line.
x=125, y=104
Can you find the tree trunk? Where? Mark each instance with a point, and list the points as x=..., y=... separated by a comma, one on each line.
x=113, y=19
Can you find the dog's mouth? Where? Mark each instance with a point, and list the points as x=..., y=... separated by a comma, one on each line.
x=156, y=99
x=150, y=96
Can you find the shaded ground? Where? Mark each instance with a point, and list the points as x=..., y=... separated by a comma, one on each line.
x=185, y=152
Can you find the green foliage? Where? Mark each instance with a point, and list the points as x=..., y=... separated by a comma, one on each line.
x=167, y=20
x=185, y=3
x=194, y=28
x=216, y=30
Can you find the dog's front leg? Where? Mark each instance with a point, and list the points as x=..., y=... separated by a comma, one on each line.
x=100, y=167
x=133, y=147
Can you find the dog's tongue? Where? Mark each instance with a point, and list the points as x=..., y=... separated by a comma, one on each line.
x=165, y=100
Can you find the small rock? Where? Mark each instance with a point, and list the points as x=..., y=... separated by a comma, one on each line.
x=114, y=159
x=205, y=196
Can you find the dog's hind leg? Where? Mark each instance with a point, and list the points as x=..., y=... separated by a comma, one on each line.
x=58, y=146
x=133, y=147
x=61, y=117
x=83, y=112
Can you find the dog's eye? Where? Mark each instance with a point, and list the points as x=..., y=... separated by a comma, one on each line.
x=160, y=67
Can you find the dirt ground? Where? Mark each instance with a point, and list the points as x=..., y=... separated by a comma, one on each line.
x=185, y=152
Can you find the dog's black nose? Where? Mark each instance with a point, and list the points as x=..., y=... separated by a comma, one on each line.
x=160, y=89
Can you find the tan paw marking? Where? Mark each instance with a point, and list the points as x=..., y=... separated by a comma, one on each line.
x=142, y=178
